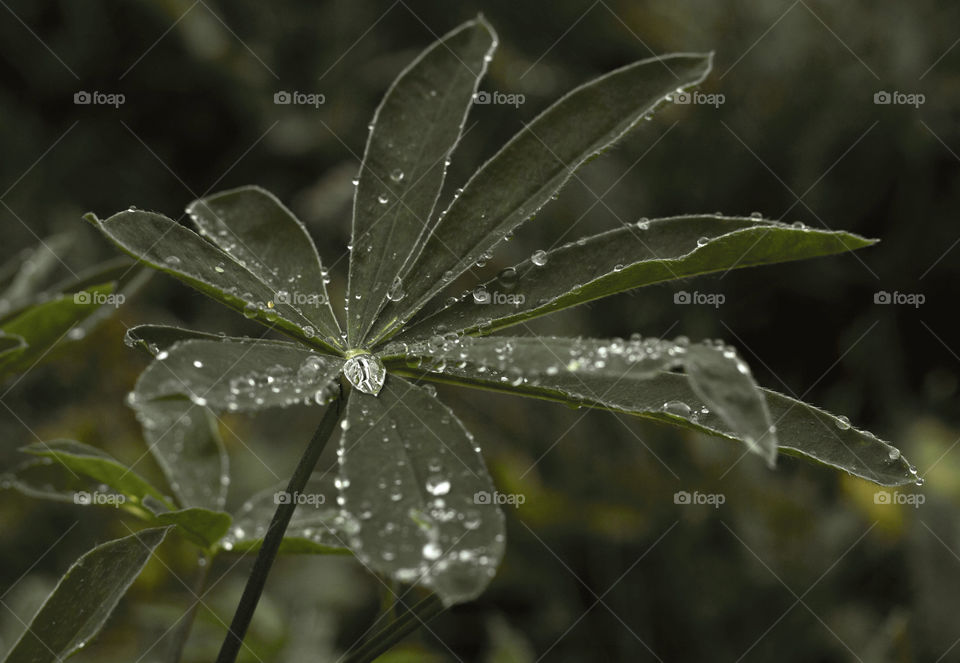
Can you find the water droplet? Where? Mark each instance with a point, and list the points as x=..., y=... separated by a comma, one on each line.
x=366, y=373
x=643, y=224
x=894, y=454
x=437, y=485
x=480, y=295
x=396, y=175
x=197, y=363
x=798, y=225
x=507, y=278
x=250, y=311
x=173, y=261
x=383, y=199
x=344, y=424
x=678, y=408
x=539, y=258
x=396, y=291
x=756, y=215
x=219, y=268
x=432, y=551
x=703, y=241
x=843, y=423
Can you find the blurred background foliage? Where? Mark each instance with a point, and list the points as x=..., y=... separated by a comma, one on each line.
x=799, y=564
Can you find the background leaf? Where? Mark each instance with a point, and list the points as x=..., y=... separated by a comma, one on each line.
x=263, y=236
x=432, y=528
x=202, y=526
x=413, y=133
x=84, y=598
x=517, y=181
x=625, y=258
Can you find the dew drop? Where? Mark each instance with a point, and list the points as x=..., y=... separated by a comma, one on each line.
x=383, y=199
x=843, y=423
x=678, y=408
x=396, y=175
x=539, y=258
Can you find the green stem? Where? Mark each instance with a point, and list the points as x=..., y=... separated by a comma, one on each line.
x=401, y=627
x=274, y=536
x=178, y=640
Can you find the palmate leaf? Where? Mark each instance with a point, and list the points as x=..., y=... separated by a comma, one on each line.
x=84, y=598
x=235, y=374
x=625, y=258
x=317, y=526
x=171, y=248
x=413, y=132
x=719, y=376
x=263, y=236
x=672, y=398
x=418, y=495
x=518, y=180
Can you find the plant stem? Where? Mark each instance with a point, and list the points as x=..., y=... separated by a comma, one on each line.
x=274, y=536
x=178, y=641
x=401, y=627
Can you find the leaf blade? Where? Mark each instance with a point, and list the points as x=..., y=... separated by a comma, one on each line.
x=532, y=166
x=84, y=598
x=623, y=259
x=252, y=226
x=436, y=532
x=397, y=188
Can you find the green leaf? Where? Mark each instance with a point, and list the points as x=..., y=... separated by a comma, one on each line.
x=802, y=429
x=418, y=493
x=202, y=526
x=723, y=381
x=171, y=248
x=10, y=348
x=41, y=478
x=84, y=598
x=414, y=131
x=316, y=526
x=156, y=338
x=98, y=465
x=186, y=444
x=263, y=236
x=235, y=375
x=45, y=325
x=32, y=268
x=517, y=181
x=626, y=258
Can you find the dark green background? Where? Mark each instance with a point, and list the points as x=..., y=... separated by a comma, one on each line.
x=601, y=564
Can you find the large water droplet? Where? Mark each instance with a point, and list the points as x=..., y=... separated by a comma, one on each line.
x=366, y=373
x=396, y=291
x=539, y=258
